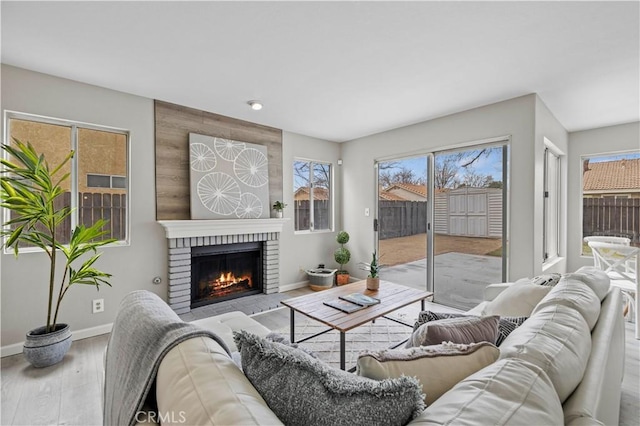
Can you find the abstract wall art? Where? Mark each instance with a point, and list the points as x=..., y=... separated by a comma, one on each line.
x=229, y=179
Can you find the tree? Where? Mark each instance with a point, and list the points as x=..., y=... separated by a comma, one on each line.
x=387, y=178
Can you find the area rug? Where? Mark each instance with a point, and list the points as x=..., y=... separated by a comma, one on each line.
x=372, y=336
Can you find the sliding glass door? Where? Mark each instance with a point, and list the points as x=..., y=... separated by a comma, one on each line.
x=441, y=221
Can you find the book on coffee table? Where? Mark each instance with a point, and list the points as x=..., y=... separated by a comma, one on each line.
x=360, y=299
x=344, y=305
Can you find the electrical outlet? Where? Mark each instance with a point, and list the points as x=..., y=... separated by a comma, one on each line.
x=97, y=306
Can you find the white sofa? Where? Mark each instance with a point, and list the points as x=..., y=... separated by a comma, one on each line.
x=533, y=382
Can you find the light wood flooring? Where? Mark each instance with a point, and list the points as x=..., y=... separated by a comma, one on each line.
x=70, y=393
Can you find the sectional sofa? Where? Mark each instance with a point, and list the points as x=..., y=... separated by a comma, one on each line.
x=563, y=365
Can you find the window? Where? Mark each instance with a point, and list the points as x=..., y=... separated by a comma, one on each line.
x=312, y=195
x=98, y=186
x=551, y=203
x=611, y=196
x=103, y=181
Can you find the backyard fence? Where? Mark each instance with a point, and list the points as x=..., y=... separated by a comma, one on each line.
x=302, y=214
x=401, y=218
x=93, y=206
x=613, y=217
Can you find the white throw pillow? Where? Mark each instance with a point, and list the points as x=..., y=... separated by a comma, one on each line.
x=437, y=367
x=518, y=300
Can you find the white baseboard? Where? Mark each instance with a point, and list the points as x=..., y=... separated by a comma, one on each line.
x=85, y=333
x=293, y=286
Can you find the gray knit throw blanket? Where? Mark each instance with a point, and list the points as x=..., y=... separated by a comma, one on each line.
x=145, y=329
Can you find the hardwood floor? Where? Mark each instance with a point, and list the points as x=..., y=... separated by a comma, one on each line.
x=70, y=393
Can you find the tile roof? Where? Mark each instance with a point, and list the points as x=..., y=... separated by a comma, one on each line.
x=612, y=175
x=416, y=189
x=303, y=194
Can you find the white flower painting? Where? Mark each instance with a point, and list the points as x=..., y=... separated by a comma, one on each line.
x=229, y=179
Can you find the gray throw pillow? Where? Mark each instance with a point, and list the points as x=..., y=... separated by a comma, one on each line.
x=302, y=390
x=505, y=326
x=463, y=330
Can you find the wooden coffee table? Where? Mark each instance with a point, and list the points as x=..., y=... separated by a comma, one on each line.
x=392, y=297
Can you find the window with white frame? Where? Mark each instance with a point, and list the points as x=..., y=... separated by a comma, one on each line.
x=551, y=203
x=611, y=196
x=312, y=195
x=98, y=186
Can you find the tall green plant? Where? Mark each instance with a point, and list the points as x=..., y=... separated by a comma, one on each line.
x=28, y=189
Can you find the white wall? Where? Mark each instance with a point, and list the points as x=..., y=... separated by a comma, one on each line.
x=514, y=118
x=604, y=140
x=307, y=250
x=547, y=126
x=24, y=281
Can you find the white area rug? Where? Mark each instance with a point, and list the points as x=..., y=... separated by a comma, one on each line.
x=369, y=337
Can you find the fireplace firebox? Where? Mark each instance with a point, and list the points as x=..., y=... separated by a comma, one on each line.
x=225, y=272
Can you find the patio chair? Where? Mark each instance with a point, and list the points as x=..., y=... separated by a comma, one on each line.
x=608, y=239
x=620, y=262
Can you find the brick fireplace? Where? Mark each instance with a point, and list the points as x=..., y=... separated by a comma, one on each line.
x=185, y=235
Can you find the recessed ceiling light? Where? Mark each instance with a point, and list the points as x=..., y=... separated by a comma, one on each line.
x=255, y=105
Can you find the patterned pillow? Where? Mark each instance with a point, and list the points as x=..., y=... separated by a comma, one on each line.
x=548, y=280
x=303, y=390
x=505, y=325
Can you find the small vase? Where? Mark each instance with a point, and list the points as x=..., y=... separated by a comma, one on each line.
x=279, y=214
x=342, y=278
x=373, y=283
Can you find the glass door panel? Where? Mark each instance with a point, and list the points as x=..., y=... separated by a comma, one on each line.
x=469, y=217
x=402, y=215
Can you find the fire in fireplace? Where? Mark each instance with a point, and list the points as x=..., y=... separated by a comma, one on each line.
x=225, y=272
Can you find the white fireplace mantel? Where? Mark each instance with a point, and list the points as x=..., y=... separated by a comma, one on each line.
x=211, y=228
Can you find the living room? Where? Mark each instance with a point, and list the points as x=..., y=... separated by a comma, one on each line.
x=584, y=108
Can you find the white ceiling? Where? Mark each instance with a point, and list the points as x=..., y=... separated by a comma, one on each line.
x=342, y=70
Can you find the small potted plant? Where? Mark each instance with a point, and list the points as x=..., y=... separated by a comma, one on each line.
x=342, y=255
x=28, y=190
x=279, y=206
x=373, y=267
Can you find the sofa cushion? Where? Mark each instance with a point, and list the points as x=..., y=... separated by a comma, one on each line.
x=464, y=330
x=557, y=339
x=437, y=367
x=574, y=294
x=505, y=325
x=198, y=384
x=303, y=390
x=225, y=324
x=595, y=278
x=518, y=300
x=507, y=392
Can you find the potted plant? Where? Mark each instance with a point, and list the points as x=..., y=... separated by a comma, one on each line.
x=28, y=190
x=279, y=206
x=342, y=255
x=373, y=279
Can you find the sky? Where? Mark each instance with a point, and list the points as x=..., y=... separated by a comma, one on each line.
x=485, y=165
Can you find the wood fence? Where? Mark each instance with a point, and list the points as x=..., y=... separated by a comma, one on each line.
x=302, y=216
x=614, y=217
x=402, y=218
x=93, y=206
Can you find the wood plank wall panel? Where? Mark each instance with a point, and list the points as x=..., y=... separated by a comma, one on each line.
x=173, y=124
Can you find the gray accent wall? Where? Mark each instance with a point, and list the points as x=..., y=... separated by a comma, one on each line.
x=24, y=280
x=514, y=118
x=306, y=250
